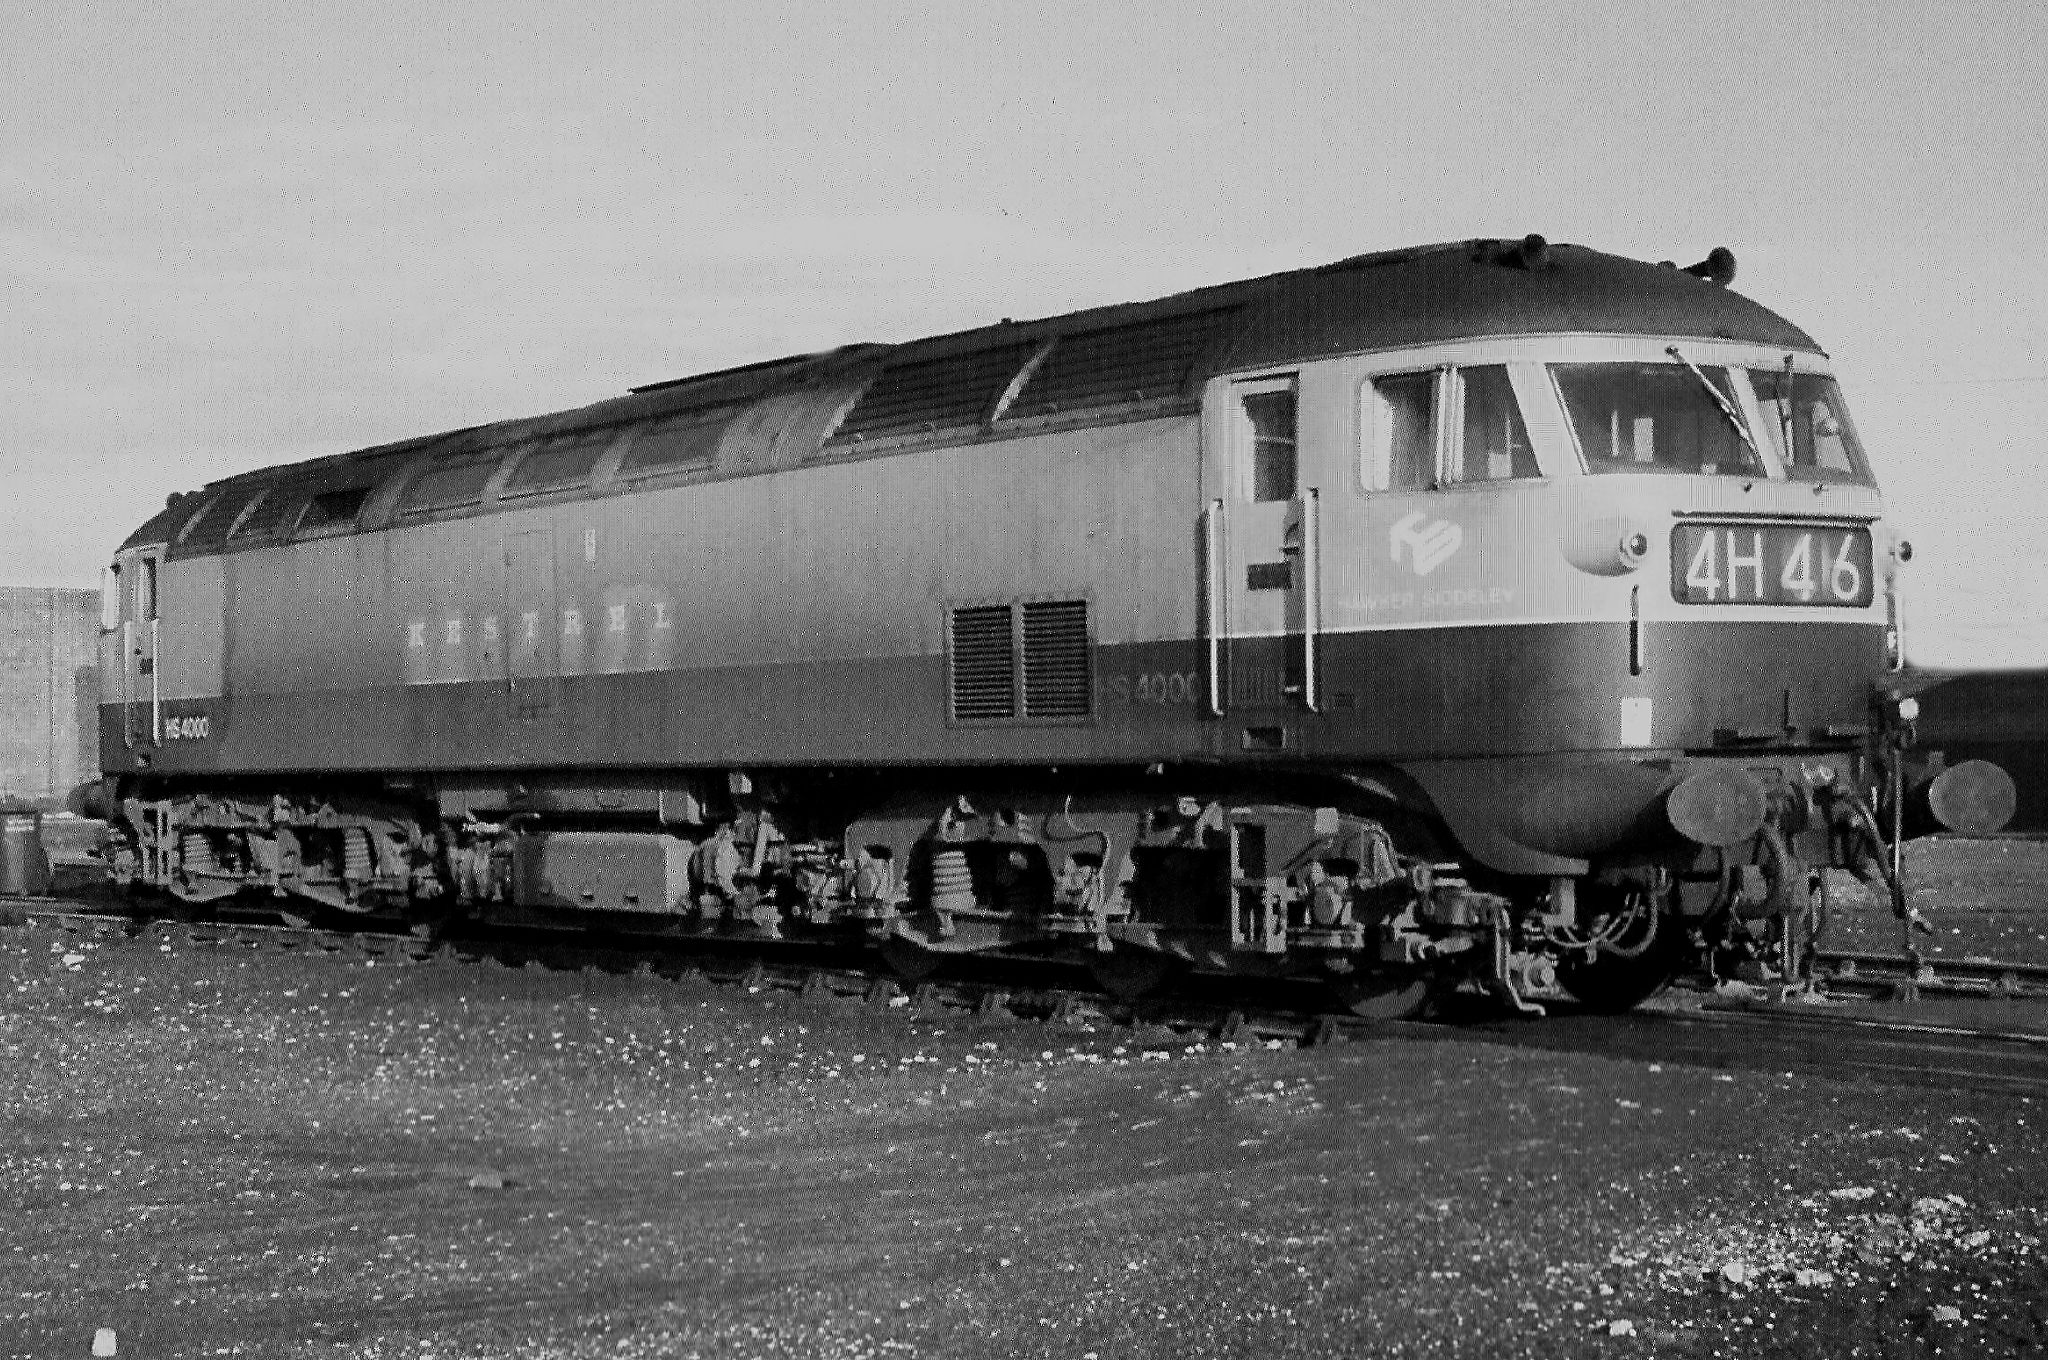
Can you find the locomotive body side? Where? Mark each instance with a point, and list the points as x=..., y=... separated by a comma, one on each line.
x=793, y=618
x=1449, y=615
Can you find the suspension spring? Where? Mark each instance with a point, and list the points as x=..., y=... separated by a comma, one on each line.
x=195, y=853
x=358, y=864
x=952, y=881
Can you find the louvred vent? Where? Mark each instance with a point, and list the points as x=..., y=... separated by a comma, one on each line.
x=1049, y=638
x=984, y=664
x=953, y=393
x=1146, y=361
x=1056, y=679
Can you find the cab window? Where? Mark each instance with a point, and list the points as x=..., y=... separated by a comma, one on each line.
x=1655, y=417
x=1269, y=416
x=1400, y=423
x=1403, y=418
x=1805, y=419
x=1492, y=440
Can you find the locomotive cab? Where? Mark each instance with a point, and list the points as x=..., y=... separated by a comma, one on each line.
x=1613, y=603
x=1578, y=514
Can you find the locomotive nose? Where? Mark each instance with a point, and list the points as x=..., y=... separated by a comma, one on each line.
x=1594, y=809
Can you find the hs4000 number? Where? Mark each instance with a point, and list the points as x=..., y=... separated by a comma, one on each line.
x=187, y=729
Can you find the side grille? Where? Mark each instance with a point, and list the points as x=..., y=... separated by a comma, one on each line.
x=1049, y=638
x=984, y=664
x=1056, y=679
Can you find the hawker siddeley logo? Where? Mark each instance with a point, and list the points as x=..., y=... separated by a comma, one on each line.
x=1429, y=542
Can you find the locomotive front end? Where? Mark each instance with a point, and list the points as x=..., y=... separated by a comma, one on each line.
x=1587, y=592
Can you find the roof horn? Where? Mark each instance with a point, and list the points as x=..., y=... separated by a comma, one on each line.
x=1533, y=252
x=1718, y=267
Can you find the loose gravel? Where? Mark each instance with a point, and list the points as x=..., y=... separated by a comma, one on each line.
x=1983, y=899
x=222, y=1152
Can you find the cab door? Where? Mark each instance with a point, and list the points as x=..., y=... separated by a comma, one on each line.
x=1261, y=542
x=138, y=639
x=532, y=671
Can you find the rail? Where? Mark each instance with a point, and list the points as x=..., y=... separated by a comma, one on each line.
x=1892, y=977
x=1818, y=1043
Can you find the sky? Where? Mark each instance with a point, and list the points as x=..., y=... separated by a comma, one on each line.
x=236, y=233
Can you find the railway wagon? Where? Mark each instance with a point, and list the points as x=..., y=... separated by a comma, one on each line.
x=1494, y=614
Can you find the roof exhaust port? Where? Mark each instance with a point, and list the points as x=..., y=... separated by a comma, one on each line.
x=1718, y=267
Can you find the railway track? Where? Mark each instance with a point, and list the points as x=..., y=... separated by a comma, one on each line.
x=1891, y=977
x=1814, y=1042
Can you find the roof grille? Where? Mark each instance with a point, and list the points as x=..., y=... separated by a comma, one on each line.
x=1144, y=361
x=954, y=393
x=1056, y=679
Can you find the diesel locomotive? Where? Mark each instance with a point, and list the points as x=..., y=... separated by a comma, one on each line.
x=1493, y=615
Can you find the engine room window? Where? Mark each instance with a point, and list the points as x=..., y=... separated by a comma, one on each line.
x=565, y=461
x=1494, y=443
x=145, y=604
x=1401, y=454
x=1808, y=408
x=333, y=507
x=444, y=488
x=1654, y=417
x=1270, y=416
x=210, y=526
x=677, y=443
x=255, y=519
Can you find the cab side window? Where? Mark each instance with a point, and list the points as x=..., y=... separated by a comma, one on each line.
x=1269, y=415
x=1400, y=452
x=1493, y=441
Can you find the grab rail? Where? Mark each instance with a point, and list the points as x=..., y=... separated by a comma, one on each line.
x=1212, y=602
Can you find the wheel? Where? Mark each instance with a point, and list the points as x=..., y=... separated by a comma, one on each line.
x=1130, y=974
x=907, y=960
x=1381, y=996
x=1637, y=964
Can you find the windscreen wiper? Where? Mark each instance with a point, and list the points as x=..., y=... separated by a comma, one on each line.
x=1721, y=403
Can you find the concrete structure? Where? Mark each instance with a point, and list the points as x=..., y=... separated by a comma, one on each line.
x=49, y=691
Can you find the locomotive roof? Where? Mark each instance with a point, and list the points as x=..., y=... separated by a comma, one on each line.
x=1128, y=361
